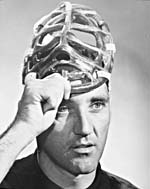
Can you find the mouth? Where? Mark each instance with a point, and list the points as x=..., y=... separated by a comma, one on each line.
x=87, y=148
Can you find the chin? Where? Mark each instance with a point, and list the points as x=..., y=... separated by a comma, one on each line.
x=84, y=166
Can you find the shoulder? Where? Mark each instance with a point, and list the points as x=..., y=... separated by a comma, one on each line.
x=121, y=183
x=23, y=166
x=19, y=173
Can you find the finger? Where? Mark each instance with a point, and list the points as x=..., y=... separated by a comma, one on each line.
x=49, y=105
x=67, y=86
x=49, y=118
x=29, y=77
x=67, y=89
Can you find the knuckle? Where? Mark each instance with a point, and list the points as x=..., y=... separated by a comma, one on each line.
x=55, y=83
x=52, y=103
x=56, y=75
x=29, y=77
x=33, y=90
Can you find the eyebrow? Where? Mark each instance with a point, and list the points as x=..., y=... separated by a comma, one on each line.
x=100, y=98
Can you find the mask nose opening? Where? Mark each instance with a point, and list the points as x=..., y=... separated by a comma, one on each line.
x=62, y=55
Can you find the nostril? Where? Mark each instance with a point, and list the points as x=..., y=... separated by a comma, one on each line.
x=62, y=56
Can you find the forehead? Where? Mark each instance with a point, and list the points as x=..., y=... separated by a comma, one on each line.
x=98, y=93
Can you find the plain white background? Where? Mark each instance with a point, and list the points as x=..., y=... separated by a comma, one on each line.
x=127, y=149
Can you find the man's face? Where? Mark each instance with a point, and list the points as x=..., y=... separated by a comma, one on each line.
x=76, y=140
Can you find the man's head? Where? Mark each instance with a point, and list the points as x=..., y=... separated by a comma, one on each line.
x=76, y=140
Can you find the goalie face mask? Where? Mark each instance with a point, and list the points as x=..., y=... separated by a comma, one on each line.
x=74, y=41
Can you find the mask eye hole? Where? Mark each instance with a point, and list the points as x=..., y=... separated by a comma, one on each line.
x=85, y=37
x=46, y=39
x=83, y=51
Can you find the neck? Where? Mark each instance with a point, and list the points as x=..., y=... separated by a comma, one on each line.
x=61, y=177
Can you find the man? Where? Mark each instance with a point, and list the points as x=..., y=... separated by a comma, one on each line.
x=65, y=104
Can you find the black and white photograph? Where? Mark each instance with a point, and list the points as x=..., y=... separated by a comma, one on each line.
x=74, y=94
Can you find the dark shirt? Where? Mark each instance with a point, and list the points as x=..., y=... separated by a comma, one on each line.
x=26, y=174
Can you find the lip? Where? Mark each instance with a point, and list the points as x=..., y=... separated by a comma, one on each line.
x=83, y=148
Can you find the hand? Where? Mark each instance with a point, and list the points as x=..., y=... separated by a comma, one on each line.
x=40, y=100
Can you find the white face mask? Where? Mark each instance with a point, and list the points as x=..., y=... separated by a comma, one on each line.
x=62, y=43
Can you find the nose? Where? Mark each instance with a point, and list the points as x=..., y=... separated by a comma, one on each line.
x=83, y=125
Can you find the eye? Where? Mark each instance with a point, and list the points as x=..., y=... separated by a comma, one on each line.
x=63, y=109
x=97, y=106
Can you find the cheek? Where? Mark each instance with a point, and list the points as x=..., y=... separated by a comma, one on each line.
x=57, y=137
x=54, y=145
x=100, y=124
x=101, y=120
